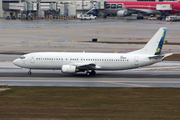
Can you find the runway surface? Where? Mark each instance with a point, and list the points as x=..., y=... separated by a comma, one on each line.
x=163, y=74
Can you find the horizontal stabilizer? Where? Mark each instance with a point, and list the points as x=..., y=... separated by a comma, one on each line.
x=166, y=55
x=156, y=57
x=160, y=56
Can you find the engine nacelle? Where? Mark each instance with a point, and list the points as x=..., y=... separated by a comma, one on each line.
x=123, y=13
x=68, y=69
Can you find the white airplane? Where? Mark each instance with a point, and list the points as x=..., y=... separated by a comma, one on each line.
x=73, y=62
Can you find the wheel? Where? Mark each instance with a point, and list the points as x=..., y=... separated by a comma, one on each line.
x=93, y=72
x=88, y=73
x=29, y=73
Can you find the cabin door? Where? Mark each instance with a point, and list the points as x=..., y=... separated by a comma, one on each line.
x=32, y=58
x=136, y=60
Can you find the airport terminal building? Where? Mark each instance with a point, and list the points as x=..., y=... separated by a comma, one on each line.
x=47, y=7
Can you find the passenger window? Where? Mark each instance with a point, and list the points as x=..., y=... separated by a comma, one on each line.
x=107, y=6
x=119, y=6
x=113, y=6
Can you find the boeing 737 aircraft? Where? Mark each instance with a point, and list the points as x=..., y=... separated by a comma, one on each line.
x=73, y=62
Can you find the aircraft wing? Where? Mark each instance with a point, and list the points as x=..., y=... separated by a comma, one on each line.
x=87, y=66
x=133, y=11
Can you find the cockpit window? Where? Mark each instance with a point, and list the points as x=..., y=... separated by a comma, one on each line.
x=22, y=57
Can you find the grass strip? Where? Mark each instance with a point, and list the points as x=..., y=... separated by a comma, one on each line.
x=77, y=103
x=11, y=53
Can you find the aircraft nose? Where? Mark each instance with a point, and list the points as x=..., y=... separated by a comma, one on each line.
x=16, y=62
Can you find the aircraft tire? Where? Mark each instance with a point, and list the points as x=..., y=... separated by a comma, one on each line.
x=93, y=72
x=29, y=73
x=140, y=17
x=88, y=73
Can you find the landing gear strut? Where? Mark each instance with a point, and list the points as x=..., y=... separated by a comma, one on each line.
x=104, y=16
x=29, y=73
x=140, y=16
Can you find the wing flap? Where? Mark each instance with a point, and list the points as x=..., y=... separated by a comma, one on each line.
x=86, y=66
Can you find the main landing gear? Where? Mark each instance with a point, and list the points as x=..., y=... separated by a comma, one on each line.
x=29, y=73
x=140, y=17
x=93, y=72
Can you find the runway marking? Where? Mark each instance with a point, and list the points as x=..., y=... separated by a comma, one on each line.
x=51, y=22
x=125, y=84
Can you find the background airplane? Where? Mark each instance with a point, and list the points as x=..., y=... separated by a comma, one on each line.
x=127, y=8
x=73, y=62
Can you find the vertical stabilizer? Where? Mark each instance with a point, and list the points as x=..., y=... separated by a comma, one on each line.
x=154, y=46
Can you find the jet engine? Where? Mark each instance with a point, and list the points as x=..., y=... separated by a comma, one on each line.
x=68, y=69
x=123, y=13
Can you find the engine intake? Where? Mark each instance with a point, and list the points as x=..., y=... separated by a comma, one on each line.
x=68, y=69
x=123, y=13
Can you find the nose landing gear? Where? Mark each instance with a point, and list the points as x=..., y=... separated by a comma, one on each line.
x=29, y=73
